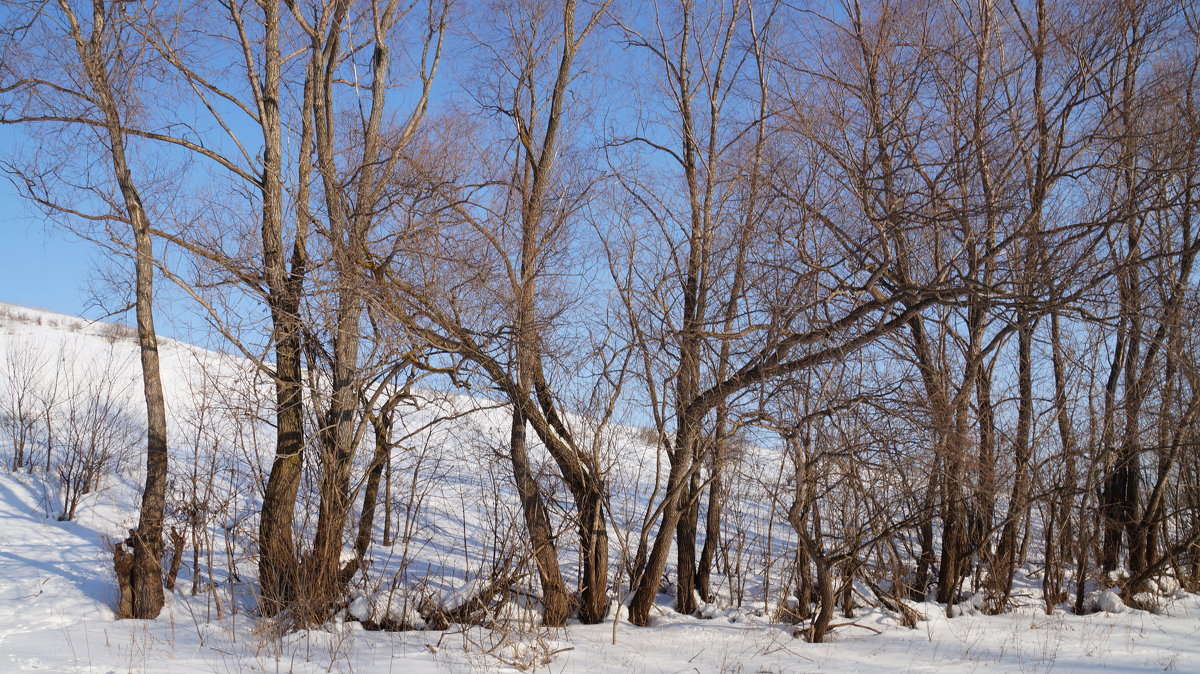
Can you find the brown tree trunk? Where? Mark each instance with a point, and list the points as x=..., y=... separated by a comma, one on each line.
x=712, y=531
x=556, y=601
x=656, y=561
x=1058, y=540
x=810, y=544
x=147, y=553
x=278, y=564
x=145, y=576
x=593, y=543
x=381, y=423
x=827, y=601
x=321, y=567
x=685, y=546
x=804, y=592
x=984, y=504
x=950, y=567
x=1005, y=561
x=927, y=557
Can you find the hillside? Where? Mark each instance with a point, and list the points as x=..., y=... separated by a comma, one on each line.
x=453, y=522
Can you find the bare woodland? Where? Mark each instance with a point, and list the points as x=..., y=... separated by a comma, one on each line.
x=912, y=283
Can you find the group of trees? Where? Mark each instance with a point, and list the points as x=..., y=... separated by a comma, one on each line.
x=937, y=257
x=66, y=417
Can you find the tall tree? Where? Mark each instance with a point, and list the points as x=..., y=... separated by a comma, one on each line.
x=520, y=210
x=97, y=91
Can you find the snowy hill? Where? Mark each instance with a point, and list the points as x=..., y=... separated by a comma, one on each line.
x=451, y=515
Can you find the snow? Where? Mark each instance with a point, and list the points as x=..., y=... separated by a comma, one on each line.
x=1110, y=601
x=56, y=586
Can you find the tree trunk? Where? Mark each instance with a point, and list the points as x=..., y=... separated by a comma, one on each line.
x=712, y=532
x=382, y=425
x=555, y=599
x=656, y=561
x=593, y=543
x=278, y=564
x=685, y=546
x=1005, y=562
x=145, y=575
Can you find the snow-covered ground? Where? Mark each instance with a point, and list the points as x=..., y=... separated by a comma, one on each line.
x=56, y=585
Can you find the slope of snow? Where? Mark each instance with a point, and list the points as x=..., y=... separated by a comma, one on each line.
x=56, y=586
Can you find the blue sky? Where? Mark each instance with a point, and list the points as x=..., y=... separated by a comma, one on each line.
x=43, y=266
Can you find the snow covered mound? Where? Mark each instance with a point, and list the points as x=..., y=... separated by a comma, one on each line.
x=56, y=585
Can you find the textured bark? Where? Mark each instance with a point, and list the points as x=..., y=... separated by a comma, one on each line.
x=123, y=566
x=593, y=542
x=656, y=561
x=1005, y=562
x=95, y=53
x=825, y=598
x=177, y=543
x=803, y=513
x=679, y=499
x=1119, y=499
x=353, y=198
x=712, y=530
x=927, y=557
x=277, y=559
x=322, y=566
x=555, y=599
x=685, y=546
x=984, y=500
x=1058, y=536
x=804, y=591
x=579, y=473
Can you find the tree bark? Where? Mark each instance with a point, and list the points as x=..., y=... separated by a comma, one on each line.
x=555, y=599
x=278, y=565
x=95, y=54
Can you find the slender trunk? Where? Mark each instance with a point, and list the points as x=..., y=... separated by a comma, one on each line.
x=826, y=595
x=278, y=564
x=953, y=535
x=1004, y=564
x=322, y=575
x=555, y=600
x=593, y=543
x=712, y=529
x=382, y=425
x=387, y=503
x=145, y=578
x=927, y=557
x=685, y=542
x=985, y=490
x=147, y=553
x=656, y=561
x=1057, y=539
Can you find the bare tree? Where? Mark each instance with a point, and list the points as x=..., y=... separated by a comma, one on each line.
x=96, y=434
x=95, y=93
x=22, y=370
x=534, y=196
